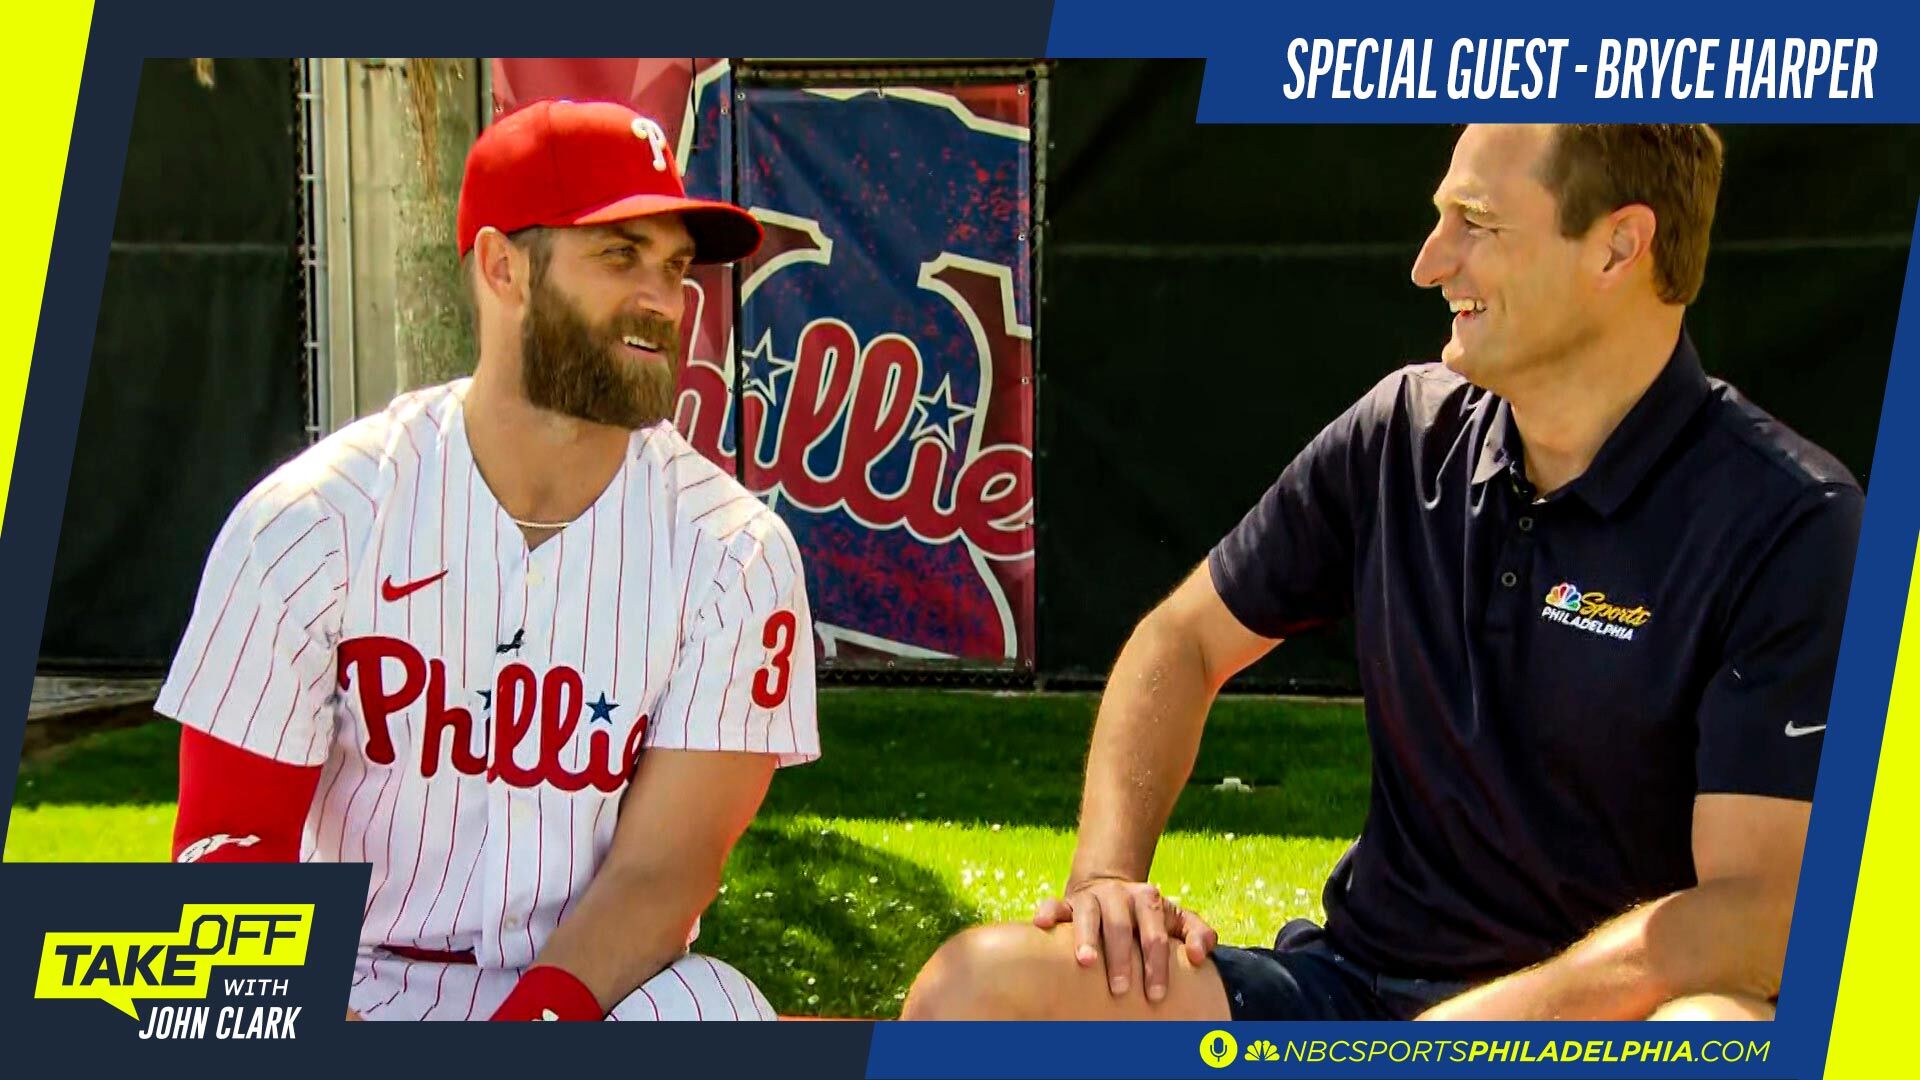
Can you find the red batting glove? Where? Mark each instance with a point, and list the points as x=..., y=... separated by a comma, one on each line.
x=549, y=993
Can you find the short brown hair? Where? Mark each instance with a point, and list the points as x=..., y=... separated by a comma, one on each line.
x=1674, y=169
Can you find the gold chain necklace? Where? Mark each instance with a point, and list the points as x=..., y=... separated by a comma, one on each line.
x=541, y=524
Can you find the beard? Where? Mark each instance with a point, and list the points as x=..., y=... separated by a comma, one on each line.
x=574, y=368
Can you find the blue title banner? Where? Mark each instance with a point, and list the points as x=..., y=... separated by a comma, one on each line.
x=1287, y=64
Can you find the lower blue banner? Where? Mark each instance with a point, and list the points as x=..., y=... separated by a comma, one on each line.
x=926, y=1051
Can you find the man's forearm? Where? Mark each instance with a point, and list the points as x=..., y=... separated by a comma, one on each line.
x=628, y=927
x=1144, y=745
x=1722, y=937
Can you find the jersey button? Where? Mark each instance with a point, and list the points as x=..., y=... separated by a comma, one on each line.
x=1526, y=524
x=1509, y=579
x=536, y=578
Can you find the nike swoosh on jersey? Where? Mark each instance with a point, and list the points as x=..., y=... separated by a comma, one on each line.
x=1794, y=732
x=390, y=592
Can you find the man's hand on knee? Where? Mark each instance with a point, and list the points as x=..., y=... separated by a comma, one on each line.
x=1131, y=925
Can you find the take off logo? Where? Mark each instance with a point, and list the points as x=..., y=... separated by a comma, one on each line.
x=120, y=968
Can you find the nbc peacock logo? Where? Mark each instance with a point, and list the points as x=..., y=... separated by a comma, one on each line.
x=1565, y=596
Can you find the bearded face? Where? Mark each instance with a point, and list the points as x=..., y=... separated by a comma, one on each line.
x=620, y=372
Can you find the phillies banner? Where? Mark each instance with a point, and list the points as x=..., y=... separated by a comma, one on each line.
x=887, y=374
x=869, y=373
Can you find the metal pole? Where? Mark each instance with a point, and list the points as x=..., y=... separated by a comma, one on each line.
x=333, y=241
x=313, y=255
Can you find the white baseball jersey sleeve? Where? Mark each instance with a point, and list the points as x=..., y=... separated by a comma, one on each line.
x=477, y=707
x=255, y=667
x=748, y=634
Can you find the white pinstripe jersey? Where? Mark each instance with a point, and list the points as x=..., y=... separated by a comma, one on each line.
x=371, y=608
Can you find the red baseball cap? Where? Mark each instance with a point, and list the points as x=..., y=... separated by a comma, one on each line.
x=559, y=163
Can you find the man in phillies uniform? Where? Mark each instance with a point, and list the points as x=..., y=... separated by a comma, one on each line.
x=512, y=641
x=1598, y=598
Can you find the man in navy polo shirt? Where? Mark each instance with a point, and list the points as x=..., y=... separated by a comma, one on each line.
x=1598, y=599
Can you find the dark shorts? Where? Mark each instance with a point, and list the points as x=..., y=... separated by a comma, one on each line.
x=1303, y=978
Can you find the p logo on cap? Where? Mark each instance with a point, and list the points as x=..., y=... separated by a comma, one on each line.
x=646, y=128
x=558, y=163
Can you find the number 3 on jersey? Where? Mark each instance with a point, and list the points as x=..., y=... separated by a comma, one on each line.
x=771, y=683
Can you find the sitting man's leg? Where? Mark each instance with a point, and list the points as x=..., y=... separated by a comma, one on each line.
x=1015, y=971
x=1714, y=1007
x=696, y=987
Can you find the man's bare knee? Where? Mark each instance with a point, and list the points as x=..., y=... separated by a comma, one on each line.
x=1015, y=971
x=1714, y=1007
x=988, y=972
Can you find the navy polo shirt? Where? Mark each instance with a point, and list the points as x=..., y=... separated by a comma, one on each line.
x=1551, y=681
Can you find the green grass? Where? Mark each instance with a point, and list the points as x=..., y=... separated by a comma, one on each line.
x=930, y=811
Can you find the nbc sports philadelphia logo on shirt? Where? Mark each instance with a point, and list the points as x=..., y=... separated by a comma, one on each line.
x=1593, y=612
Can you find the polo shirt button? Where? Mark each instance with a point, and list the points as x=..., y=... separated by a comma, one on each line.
x=1526, y=524
x=1509, y=579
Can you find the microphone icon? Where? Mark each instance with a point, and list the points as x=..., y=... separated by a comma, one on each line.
x=1218, y=1048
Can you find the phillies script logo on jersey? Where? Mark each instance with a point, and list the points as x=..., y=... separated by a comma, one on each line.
x=544, y=708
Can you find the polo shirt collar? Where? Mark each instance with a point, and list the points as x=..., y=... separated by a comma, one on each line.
x=1629, y=453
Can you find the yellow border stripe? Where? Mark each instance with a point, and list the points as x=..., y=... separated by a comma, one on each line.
x=1876, y=984
x=45, y=82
